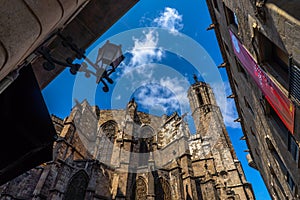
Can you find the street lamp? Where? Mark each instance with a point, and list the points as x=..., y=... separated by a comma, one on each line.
x=108, y=59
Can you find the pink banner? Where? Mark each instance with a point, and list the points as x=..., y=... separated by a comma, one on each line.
x=279, y=102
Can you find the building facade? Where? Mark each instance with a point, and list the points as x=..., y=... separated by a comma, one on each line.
x=259, y=42
x=127, y=154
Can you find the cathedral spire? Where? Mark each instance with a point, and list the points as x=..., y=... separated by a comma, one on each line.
x=131, y=110
x=132, y=104
x=195, y=78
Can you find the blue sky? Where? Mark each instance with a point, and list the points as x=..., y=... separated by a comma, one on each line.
x=165, y=43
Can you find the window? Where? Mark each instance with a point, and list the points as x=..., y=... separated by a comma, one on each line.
x=294, y=89
x=281, y=128
x=274, y=61
x=77, y=186
x=146, y=132
x=293, y=147
x=289, y=178
x=207, y=95
x=163, y=189
x=290, y=182
x=279, y=161
x=199, y=97
x=140, y=189
x=285, y=135
x=232, y=19
x=107, y=136
x=216, y=5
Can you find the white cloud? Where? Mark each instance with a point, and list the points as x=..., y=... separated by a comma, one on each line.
x=170, y=19
x=226, y=105
x=145, y=49
x=178, y=86
x=164, y=95
x=144, y=52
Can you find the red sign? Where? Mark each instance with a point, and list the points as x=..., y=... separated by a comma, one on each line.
x=279, y=102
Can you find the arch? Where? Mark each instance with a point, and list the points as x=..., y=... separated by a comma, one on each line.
x=76, y=188
x=199, y=96
x=107, y=135
x=109, y=128
x=163, y=189
x=140, y=189
x=146, y=131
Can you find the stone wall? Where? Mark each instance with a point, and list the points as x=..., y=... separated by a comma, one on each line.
x=276, y=22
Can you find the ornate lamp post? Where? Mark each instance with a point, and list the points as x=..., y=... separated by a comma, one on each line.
x=108, y=59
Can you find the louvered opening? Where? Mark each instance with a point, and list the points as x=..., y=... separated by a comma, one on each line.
x=295, y=82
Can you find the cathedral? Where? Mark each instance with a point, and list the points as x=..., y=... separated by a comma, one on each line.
x=130, y=155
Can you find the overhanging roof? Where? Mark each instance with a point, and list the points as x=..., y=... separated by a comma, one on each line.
x=93, y=20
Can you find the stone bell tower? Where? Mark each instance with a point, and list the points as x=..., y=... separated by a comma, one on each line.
x=218, y=173
x=203, y=105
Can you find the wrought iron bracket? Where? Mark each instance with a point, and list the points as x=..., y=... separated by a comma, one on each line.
x=66, y=41
x=51, y=61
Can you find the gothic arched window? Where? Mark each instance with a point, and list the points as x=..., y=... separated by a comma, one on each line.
x=77, y=186
x=107, y=136
x=141, y=189
x=200, y=99
x=207, y=95
x=146, y=132
x=163, y=190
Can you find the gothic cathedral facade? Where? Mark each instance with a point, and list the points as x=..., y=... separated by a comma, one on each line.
x=131, y=155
